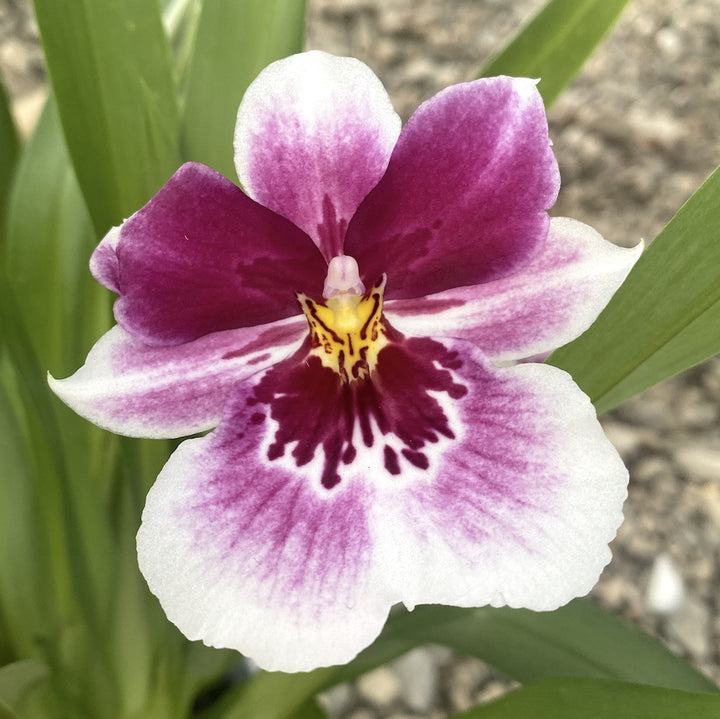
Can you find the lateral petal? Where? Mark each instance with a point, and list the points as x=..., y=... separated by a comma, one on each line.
x=202, y=257
x=533, y=311
x=143, y=391
x=465, y=194
x=314, y=134
x=521, y=507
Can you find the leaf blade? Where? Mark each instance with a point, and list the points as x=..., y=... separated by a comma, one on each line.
x=234, y=42
x=520, y=643
x=110, y=70
x=597, y=699
x=579, y=639
x=556, y=42
x=666, y=316
x=9, y=150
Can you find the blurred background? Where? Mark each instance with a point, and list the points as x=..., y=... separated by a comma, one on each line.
x=635, y=134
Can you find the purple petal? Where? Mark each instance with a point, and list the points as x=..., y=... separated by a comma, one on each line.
x=143, y=391
x=468, y=485
x=534, y=311
x=104, y=262
x=465, y=194
x=313, y=136
x=202, y=257
x=521, y=507
x=244, y=553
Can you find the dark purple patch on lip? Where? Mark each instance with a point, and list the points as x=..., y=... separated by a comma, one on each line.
x=315, y=409
x=391, y=460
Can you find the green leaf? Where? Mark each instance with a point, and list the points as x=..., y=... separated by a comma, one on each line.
x=580, y=639
x=666, y=316
x=6, y=712
x=19, y=679
x=68, y=582
x=554, y=45
x=8, y=151
x=110, y=70
x=310, y=710
x=49, y=242
x=272, y=695
x=234, y=42
x=597, y=699
x=24, y=605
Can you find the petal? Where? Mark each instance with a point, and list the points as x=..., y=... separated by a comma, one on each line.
x=466, y=485
x=465, y=194
x=314, y=134
x=104, y=262
x=143, y=391
x=202, y=257
x=245, y=554
x=521, y=507
x=535, y=310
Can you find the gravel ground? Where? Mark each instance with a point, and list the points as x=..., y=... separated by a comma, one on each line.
x=635, y=134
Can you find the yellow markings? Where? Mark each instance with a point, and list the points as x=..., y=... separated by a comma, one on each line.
x=347, y=331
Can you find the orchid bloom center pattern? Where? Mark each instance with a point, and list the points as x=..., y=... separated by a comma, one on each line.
x=347, y=331
x=358, y=385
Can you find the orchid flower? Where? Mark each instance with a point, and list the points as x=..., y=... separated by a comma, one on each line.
x=351, y=329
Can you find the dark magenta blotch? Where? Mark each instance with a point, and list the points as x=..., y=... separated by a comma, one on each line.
x=465, y=195
x=203, y=257
x=317, y=411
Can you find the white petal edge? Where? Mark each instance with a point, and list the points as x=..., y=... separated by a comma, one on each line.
x=452, y=541
x=310, y=128
x=137, y=390
x=267, y=568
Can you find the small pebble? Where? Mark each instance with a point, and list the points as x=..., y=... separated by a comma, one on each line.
x=381, y=686
x=666, y=589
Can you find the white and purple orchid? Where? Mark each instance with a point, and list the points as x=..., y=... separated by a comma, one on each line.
x=342, y=326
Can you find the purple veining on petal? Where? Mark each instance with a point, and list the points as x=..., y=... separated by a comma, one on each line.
x=268, y=338
x=331, y=231
x=313, y=136
x=202, y=257
x=316, y=410
x=423, y=306
x=148, y=391
x=242, y=509
x=465, y=194
x=229, y=545
x=521, y=508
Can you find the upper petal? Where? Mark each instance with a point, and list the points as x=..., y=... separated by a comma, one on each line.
x=144, y=391
x=465, y=194
x=202, y=257
x=314, y=134
x=541, y=307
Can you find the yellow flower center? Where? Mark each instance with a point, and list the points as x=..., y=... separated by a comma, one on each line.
x=347, y=331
